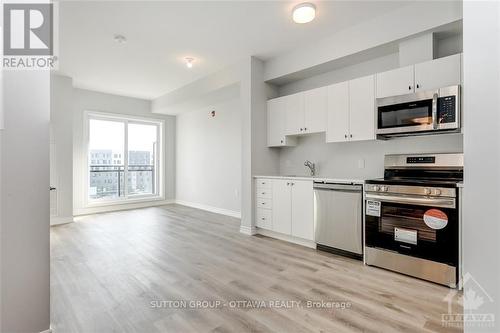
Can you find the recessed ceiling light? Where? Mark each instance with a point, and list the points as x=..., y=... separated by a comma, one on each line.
x=120, y=39
x=189, y=62
x=304, y=12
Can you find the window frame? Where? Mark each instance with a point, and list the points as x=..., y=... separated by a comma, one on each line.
x=160, y=159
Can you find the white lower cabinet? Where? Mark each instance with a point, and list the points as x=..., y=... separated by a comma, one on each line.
x=264, y=218
x=264, y=203
x=282, y=208
x=293, y=210
x=303, y=209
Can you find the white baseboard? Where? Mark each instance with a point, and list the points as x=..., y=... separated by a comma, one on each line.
x=286, y=238
x=113, y=208
x=244, y=229
x=208, y=208
x=56, y=220
x=47, y=331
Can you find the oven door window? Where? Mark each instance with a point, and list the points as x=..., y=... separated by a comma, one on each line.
x=407, y=114
x=403, y=228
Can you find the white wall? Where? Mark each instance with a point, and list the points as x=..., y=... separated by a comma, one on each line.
x=380, y=64
x=208, y=157
x=61, y=139
x=86, y=100
x=256, y=158
x=482, y=155
x=24, y=205
x=397, y=24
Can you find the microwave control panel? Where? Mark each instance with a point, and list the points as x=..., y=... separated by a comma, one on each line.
x=446, y=109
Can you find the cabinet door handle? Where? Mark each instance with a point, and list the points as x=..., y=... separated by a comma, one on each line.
x=418, y=85
x=345, y=136
x=301, y=129
x=263, y=192
x=287, y=184
x=409, y=87
x=305, y=128
x=350, y=135
x=281, y=141
x=263, y=219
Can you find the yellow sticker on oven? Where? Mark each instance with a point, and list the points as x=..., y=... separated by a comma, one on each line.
x=435, y=219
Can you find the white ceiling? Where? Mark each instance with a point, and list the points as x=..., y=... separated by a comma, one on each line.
x=160, y=34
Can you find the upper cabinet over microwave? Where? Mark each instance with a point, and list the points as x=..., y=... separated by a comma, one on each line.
x=429, y=75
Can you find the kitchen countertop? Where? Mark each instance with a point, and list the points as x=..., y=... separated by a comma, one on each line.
x=318, y=178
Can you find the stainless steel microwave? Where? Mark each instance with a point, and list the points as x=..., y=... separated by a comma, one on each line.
x=424, y=112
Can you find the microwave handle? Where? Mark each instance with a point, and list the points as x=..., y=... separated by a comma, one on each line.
x=434, y=111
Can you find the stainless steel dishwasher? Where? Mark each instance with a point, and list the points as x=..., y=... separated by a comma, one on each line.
x=338, y=217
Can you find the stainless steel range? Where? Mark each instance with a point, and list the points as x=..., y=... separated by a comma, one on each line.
x=411, y=216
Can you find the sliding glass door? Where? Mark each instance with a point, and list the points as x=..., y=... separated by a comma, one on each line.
x=142, y=141
x=123, y=158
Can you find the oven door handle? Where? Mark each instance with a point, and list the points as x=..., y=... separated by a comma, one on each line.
x=435, y=202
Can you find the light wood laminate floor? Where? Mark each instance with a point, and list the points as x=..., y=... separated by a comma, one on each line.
x=115, y=272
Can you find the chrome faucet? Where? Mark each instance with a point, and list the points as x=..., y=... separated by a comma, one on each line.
x=311, y=166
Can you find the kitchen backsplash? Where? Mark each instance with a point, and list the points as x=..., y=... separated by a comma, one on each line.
x=358, y=160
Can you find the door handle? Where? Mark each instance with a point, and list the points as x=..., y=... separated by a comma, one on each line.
x=52, y=188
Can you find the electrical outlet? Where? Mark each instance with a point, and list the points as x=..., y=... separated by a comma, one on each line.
x=361, y=163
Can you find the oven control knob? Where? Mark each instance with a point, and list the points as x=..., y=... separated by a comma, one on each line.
x=384, y=188
x=437, y=192
x=427, y=191
x=376, y=188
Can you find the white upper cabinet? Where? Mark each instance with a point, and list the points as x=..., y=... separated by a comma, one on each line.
x=315, y=106
x=276, y=114
x=429, y=75
x=302, y=209
x=362, y=109
x=294, y=123
x=346, y=111
x=337, y=128
x=395, y=82
x=351, y=110
x=275, y=122
x=438, y=73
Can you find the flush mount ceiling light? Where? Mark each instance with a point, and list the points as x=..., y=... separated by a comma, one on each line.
x=304, y=12
x=189, y=62
x=120, y=39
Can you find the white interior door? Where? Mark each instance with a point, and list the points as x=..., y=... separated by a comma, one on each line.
x=338, y=112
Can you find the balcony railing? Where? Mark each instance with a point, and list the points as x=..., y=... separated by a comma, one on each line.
x=110, y=187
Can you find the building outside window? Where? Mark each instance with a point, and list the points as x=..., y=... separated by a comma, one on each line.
x=124, y=158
